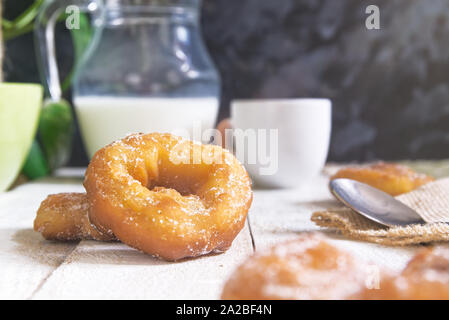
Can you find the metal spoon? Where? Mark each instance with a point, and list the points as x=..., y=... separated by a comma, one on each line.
x=373, y=204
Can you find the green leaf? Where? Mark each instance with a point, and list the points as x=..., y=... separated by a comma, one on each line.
x=82, y=36
x=6, y=24
x=35, y=164
x=24, y=23
x=28, y=15
x=55, y=132
x=81, y=39
x=9, y=34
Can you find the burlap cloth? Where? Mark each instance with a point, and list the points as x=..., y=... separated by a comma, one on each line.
x=431, y=202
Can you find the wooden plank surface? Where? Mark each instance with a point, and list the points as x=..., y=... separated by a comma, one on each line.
x=281, y=215
x=26, y=259
x=33, y=268
x=114, y=271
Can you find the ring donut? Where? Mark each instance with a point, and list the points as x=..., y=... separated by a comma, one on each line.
x=168, y=196
x=65, y=217
x=393, y=179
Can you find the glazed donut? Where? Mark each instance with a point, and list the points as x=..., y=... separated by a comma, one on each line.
x=301, y=269
x=65, y=217
x=391, y=178
x=426, y=277
x=168, y=196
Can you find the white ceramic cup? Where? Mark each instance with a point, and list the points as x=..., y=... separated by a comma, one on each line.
x=302, y=128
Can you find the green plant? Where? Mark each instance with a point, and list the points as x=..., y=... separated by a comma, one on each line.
x=52, y=149
x=25, y=22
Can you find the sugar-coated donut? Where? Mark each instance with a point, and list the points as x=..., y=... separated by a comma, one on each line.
x=168, y=196
x=65, y=217
x=426, y=277
x=391, y=178
x=301, y=269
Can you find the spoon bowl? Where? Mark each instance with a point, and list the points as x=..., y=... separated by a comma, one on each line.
x=373, y=203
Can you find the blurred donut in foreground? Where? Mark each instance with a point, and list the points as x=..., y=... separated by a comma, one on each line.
x=304, y=268
x=426, y=277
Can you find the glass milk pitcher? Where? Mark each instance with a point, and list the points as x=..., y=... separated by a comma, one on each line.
x=145, y=70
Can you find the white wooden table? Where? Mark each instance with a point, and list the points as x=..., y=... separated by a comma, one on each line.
x=32, y=268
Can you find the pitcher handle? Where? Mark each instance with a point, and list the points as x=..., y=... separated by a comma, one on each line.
x=45, y=38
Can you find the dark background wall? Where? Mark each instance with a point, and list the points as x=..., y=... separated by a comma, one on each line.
x=390, y=87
